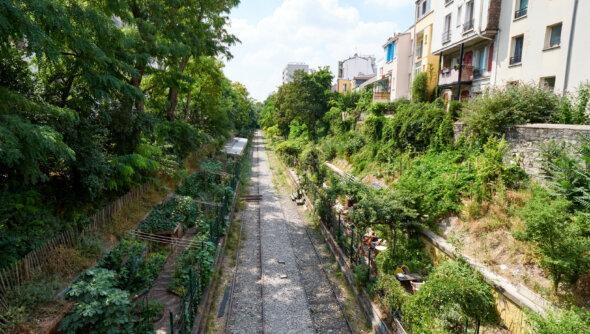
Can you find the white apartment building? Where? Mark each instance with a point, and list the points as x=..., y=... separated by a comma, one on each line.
x=466, y=37
x=356, y=66
x=290, y=70
x=544, y=42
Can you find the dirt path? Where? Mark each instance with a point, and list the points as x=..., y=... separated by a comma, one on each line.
x=159, y=292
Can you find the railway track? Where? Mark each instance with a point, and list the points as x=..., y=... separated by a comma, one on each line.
x=316, y=288
x=247, y=312
x=255, y=198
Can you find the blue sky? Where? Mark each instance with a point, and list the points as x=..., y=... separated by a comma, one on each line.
x=318, y=32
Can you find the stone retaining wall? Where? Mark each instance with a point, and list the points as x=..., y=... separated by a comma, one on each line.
x=524, y=140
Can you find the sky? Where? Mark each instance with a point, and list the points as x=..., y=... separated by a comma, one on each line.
x=317, y=32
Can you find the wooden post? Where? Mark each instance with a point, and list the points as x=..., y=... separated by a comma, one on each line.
x=400, y=166
x=456, y=174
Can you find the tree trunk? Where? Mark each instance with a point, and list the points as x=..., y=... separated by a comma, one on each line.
x=66, y=92
x=173, y=92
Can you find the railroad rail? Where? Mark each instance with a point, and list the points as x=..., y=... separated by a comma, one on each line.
x=249, y=198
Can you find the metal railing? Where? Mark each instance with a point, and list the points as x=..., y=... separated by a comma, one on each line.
x=468, y=25
x=446, y=36
x=515, y=59
x=520, y=12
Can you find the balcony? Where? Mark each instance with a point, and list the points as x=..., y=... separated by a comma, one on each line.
x=468, y=25
x=446, y=36
x=380, y=97
x=451, y=76
x=520, y=13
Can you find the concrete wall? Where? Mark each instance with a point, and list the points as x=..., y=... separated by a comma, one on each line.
x=524, y=140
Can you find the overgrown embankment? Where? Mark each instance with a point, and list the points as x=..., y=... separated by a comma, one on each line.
x=432, y=178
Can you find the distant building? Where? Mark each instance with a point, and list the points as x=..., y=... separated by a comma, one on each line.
x=290, y=70
x=392, y=80
x=354, y=67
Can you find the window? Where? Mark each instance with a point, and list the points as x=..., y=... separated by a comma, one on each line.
x=446, y=37
x=459, y=10
x=548, y=83
x=517, y=43
x=480, y=64
x=553, y=36
x=418, y=68
x=521, y=9
x=390, y=52
x=468, y=25
x=419, y=48
x=423, y=8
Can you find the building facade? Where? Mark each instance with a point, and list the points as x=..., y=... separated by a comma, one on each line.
x=290, y=70
x=466, y=37
x=423, y=60
x=544, y=42
x=356, y=66
x=395, y=72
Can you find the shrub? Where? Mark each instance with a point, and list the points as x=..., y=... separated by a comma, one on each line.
x=560, y=238
x=420, y=88
x=392, y=292
x=454, y=291
x=100, y=306
x=575, y=320
x=499, y=109
x=373, y=127
x=413, y=126
x=432, y=185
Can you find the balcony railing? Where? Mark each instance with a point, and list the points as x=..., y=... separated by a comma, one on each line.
x=380, y=97
x=446, y=36
x=468, y=25
x=451, y=76
x=515, y=59
x=521, y=12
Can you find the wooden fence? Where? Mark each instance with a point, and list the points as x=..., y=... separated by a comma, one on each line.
x=21, y=271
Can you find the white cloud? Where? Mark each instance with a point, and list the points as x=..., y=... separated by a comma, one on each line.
x=318, y=32
x=389, y=3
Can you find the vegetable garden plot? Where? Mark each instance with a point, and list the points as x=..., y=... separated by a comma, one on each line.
x=104, y=294
x=203, y=204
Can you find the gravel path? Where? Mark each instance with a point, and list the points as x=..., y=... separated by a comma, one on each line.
x=326, y=313
x=285, y=305
x=297, y=297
